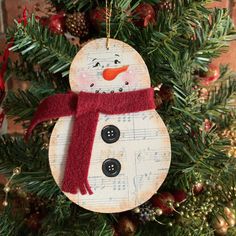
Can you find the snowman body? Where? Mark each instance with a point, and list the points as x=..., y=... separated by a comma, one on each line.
x=131, y=152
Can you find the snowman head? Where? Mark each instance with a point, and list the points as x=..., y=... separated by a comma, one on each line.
x=97, y=69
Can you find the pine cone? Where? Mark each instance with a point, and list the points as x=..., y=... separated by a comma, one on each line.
x=77, y=24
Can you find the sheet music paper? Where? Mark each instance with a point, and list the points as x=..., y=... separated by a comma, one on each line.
x=143, y=148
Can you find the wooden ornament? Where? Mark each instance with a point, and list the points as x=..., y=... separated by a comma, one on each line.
x=142, y=151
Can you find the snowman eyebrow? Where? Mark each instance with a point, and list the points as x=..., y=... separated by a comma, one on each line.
x=94, y=59
x=117, y=55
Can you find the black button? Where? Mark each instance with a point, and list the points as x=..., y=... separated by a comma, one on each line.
x=111, y=167
x=110, y=134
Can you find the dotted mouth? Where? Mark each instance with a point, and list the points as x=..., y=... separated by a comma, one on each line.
x=111, y=91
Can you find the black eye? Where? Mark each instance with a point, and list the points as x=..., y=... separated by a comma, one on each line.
x=97, y=64
x=117, y=61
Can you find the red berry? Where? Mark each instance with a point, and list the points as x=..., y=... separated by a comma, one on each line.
x=98, y=17
x=57, y=23
x=144, y=14
x=210, y=76
x=164, y=201
x=180, y=196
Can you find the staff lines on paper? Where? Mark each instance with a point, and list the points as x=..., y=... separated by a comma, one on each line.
x=126, y=135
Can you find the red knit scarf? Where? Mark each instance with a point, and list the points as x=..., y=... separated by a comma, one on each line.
x=86, y=108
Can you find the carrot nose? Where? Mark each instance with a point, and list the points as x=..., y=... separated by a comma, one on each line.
x=111, y=73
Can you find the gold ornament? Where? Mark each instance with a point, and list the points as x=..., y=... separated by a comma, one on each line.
x=219, y=222
x=177, y=204
x=51, y=122
x=7, y=188
x=197, y=188
x=45, y=146
x=222, y=231
x=232, y=152
x=192, y=213
x=5, y=203
x=219, y=187
x=230, y=205
x=159, y=211
x=227, y=211
x=17, y=171
x=230, y=215
x=170, y=224
x=203, y=95
x=231, y=222
x=153, y=218
x=136, y=210
x=230, y=134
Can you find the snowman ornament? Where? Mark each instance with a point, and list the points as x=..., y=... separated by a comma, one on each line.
x=130, y=152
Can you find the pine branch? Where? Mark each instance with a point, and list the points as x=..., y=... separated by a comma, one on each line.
x=22, y=71
x=8, y=225
x=213, y=36
x=169, y=51
x=32, y=157
x=81, y=223
x=216, y=105
x=39, y=46
x=183, y=39
x=73, y=5
x=202, y=154
x=42, y=81
x=227, y=120
x=21, y=106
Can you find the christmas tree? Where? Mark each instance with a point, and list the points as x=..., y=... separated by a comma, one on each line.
x=178, y=41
